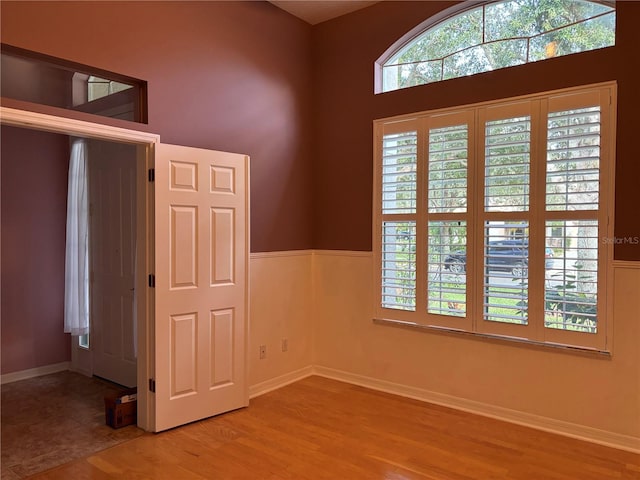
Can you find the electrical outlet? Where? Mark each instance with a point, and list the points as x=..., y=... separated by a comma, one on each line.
x=285, y=344
x=263, y=352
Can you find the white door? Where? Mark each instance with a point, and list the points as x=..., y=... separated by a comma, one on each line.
x=201, y=241
x=112, y=198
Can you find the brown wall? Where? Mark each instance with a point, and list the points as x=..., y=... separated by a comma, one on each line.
x=39, y=83
x=34, y=200
x=247, y=77
x=345, y=50
x=231, y=76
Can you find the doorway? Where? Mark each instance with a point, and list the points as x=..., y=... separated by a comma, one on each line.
x=192, y=232
x=35, y=213
x=142, y=144
x=112, y=242
x=34, y=197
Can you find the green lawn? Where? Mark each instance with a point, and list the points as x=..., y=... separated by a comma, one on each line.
x=445, y=302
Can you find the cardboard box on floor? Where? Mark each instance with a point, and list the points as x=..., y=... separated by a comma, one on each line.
x=120, y=409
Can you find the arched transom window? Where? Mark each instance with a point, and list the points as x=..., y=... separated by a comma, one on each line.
x=495, y=35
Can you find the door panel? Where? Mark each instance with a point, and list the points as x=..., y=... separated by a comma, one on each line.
x=112, y=196
x=184, y=251
x=201, y=283
x=222, y=245
x=221, y=341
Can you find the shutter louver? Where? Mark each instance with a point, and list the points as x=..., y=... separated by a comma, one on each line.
x=399, y=265
x=571, y=289
x=447, y=268
x=573, y=159
x=399, y=167
x=448, y=157
x=507, y=149
x=572, y=283
x=506, y=267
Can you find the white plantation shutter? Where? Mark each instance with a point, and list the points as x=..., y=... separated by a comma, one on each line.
x=492, y=218
x=447, y=286
x=571, y=289
x=573, y=159
x=399, y=173
x=448, y=160
x=506, y=267
x=448, y=206
x=506, y=219
x=572, y=205
x=399, y=265
x=399, y=202
x=506, y=178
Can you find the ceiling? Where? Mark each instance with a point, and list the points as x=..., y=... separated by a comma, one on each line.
x=316, y=11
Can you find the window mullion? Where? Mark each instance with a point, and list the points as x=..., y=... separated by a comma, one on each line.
x=476, y=139
x=537, y=245
x=478, y=221
x=422, y=218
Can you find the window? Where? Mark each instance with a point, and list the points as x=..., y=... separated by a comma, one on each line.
x=493, y=218
x=101, y=87
x=83, y=341
x=496, y=35
x=37, y=78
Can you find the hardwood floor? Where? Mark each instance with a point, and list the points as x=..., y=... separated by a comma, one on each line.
x=322, y=429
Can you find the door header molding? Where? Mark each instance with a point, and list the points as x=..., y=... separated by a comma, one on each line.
x=51, y=123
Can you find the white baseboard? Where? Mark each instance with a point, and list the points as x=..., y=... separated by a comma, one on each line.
x=580, y=432
x=278, y=382
x=34, y=372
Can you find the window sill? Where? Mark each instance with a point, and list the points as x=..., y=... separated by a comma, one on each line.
x=590, y=352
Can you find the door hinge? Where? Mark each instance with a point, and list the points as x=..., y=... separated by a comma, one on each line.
x=152, y=174
x=152, y=385
x=152, y=280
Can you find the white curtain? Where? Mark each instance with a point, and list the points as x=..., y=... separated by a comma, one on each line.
x=76, y=288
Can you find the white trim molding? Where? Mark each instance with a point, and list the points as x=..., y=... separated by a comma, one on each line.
x=625, y=264
x=343, y=253
x=34, y=372
x=279, y=254
x=311, y=252
x=567, y=429
x=279, y=382
x=51, y=123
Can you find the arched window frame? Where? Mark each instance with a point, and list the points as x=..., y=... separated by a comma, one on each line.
x=432, y=22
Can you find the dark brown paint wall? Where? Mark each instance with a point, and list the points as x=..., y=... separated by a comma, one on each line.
x=345, y=50
x=247, y=77
x=33, y=222
x=232, y=76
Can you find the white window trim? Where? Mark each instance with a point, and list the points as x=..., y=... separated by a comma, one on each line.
x=599, y=342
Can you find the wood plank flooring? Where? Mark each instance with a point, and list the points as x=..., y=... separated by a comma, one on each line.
x=323, y=429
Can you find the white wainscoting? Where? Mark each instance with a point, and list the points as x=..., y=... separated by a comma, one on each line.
x=321, y=302
x=280, y=307
x=596, y=398
x=594, y=435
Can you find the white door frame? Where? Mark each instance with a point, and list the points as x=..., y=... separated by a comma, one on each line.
x=145, y=230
